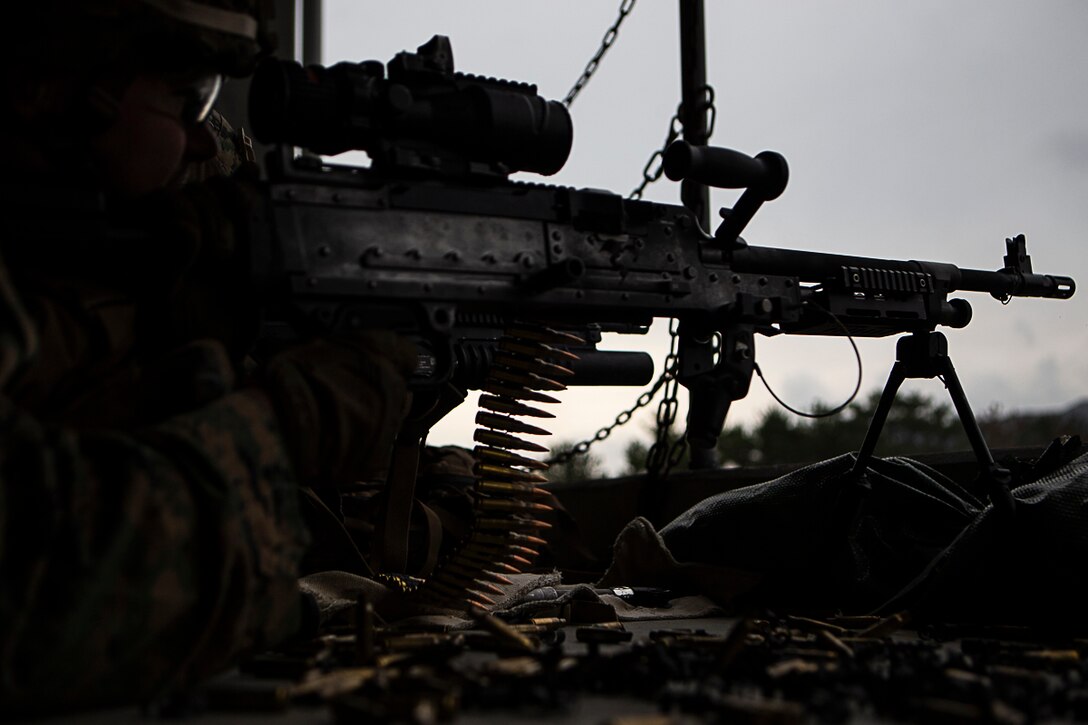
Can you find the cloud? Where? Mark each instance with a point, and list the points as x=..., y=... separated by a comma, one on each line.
x=1025, y=331
x=1069, y=148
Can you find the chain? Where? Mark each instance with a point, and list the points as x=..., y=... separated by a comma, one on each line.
x=654, y=167
x=591, y=67
x=663, y=456
x=622, y=419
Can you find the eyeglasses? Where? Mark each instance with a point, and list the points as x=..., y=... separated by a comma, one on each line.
x=188, y=99
x=199, y=97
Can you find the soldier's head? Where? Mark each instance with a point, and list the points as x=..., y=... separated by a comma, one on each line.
x=119, y=88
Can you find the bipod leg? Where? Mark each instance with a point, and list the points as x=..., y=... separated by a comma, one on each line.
x=996, y=478
x=856, y=486
x=876, y=424
x=922, y=356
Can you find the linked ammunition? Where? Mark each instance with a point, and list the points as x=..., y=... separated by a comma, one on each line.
x=493, y=438
x=508, y=424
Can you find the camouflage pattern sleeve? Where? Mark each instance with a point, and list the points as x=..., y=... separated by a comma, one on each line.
x=132, y=562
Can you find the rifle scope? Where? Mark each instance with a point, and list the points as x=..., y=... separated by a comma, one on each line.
x=419, y=116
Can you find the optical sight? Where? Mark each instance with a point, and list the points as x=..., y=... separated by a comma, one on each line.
x=415, y=116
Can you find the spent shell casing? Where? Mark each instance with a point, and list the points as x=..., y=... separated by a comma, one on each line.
x=512, y=407
x=364, y=631
x=888, y=625
x=501, y=629
x=536, y=349
x=508, y=458
x=495, y=387
x=550, y=622
x=836, y=644
x=506, y=423
x=492, y=471
x=532, y=381
x=494, y=438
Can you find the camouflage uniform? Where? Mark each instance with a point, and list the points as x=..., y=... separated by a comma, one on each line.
x=145, y=540
x=136, y=550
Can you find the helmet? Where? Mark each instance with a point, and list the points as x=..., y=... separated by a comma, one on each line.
x=222, y=36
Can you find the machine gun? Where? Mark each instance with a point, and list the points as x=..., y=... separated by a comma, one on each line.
x=492, y=277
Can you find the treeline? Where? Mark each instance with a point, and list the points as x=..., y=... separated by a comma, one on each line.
x=917, y=424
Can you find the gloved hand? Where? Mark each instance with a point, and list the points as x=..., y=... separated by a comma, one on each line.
x=340, y=404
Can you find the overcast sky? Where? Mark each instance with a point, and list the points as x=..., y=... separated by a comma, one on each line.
x=925, y=130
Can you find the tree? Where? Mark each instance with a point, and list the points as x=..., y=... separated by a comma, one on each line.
x=637, y=452
x=916, y=423
x=575, y=468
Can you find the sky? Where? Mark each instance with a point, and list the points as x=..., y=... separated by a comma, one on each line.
x=925, y=130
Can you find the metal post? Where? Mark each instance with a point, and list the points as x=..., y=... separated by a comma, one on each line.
x=311, y=32
x=693, y=195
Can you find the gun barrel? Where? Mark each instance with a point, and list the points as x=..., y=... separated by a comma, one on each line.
x=1014, y=284
x=820, y=267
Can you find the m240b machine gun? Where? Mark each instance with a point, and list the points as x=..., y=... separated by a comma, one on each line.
x=491, y=277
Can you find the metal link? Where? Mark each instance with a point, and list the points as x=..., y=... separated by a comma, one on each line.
x=711, y=109
x=662, y=456
x=623, y=418
x=650, y=174
x=658, y=156
x=591, y=67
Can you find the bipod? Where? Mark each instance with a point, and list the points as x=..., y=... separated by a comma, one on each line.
x=924, y=355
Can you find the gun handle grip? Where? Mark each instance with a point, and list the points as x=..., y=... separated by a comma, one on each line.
x=767, y=173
